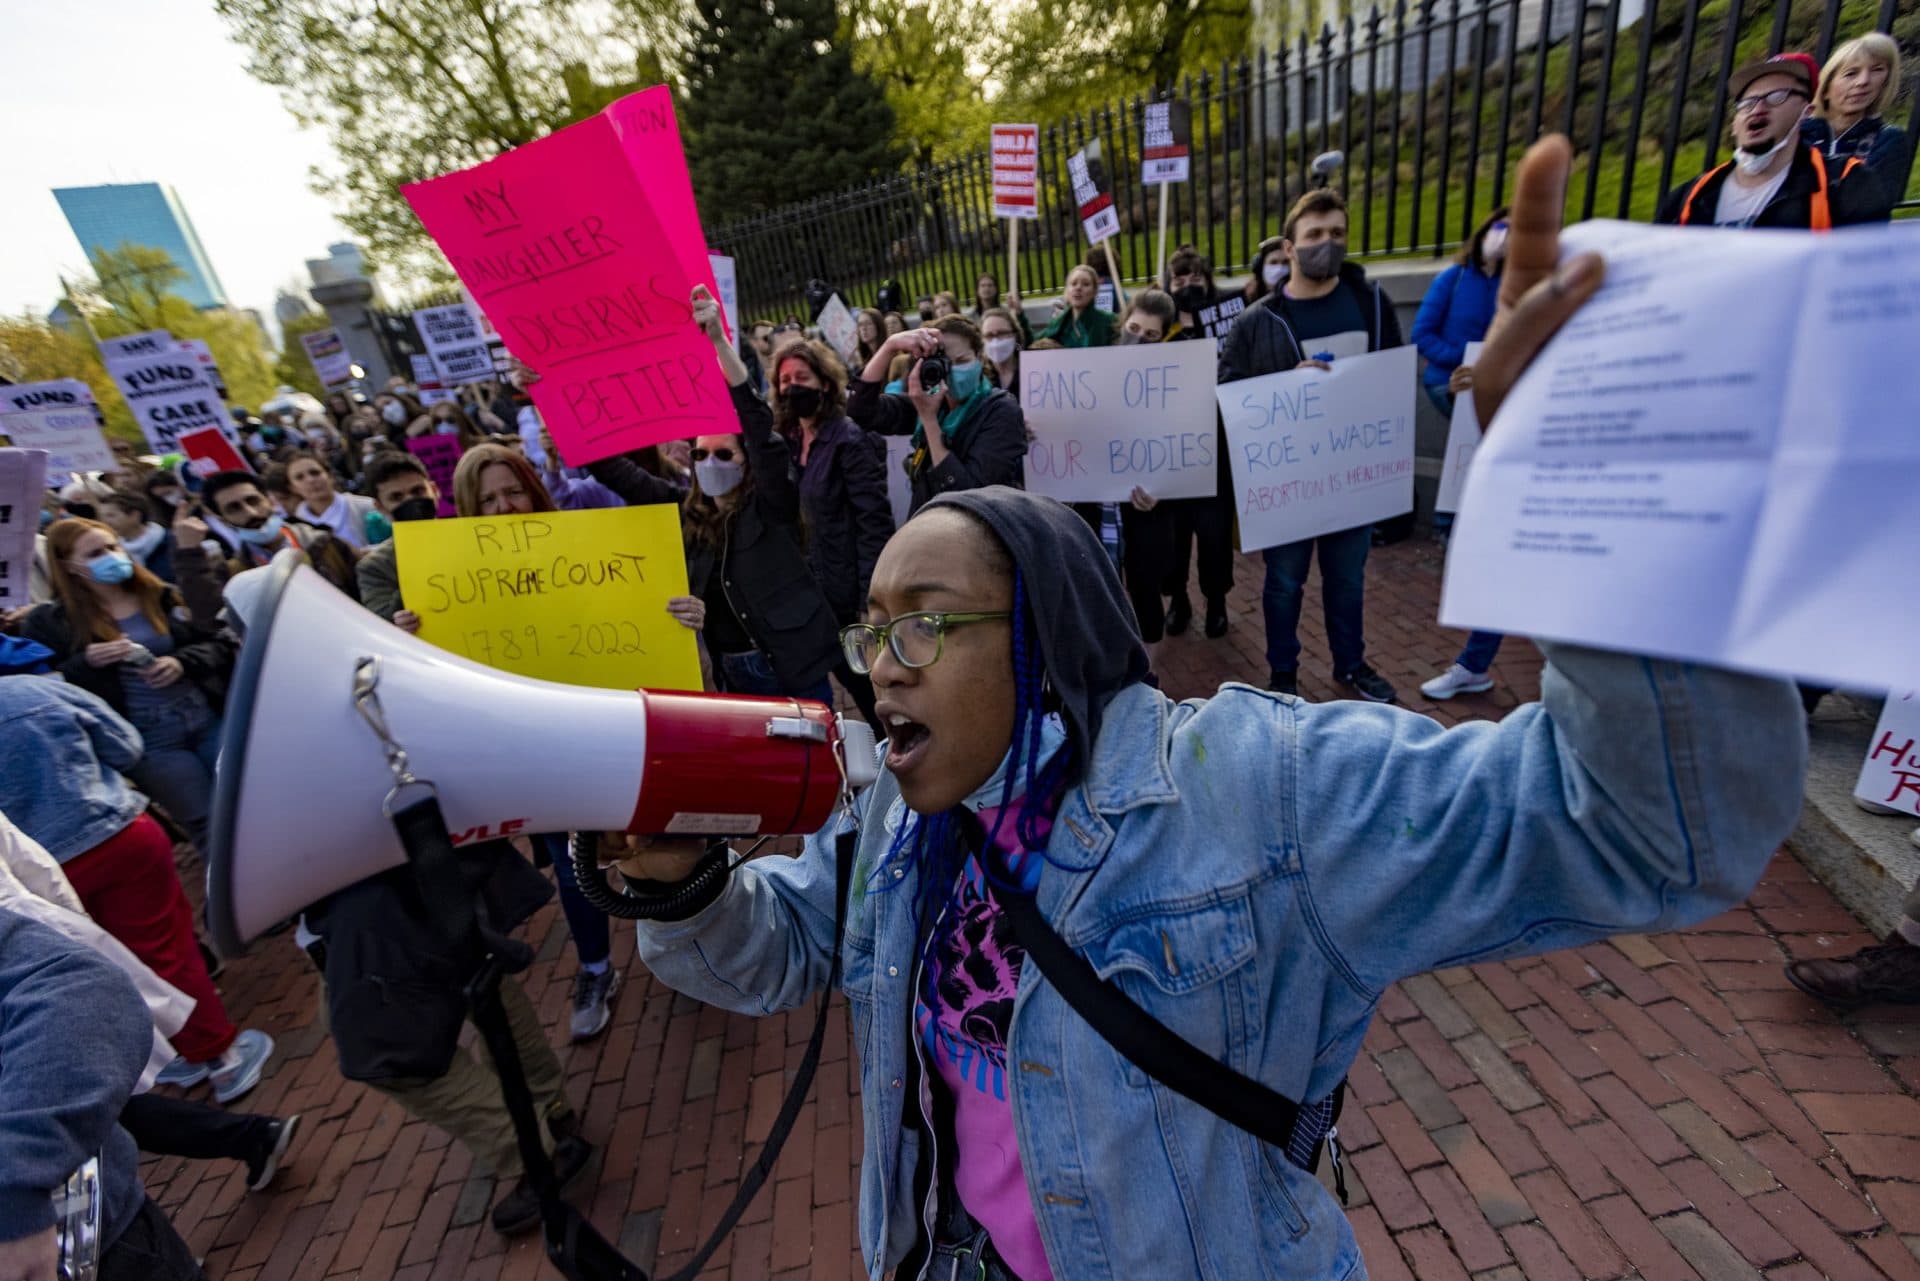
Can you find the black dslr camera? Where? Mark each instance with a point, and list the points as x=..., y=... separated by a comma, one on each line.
x=933, y=370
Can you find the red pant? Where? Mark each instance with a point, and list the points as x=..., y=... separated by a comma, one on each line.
x=130, y=888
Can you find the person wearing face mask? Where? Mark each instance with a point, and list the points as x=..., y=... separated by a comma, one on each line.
x=1325, y=308
x=397, y=408
x=1267, y=270
x=1458, y=309
x=1146, y=523
x=1208, y=522
x=966, y=432
x=1857, y=91
x=122, y=634
x=1775, y=178
x=239, y=501
x=767, y=625
x=1000, y=339
x=843, y=485
x=1082, y=323
x=321, y=502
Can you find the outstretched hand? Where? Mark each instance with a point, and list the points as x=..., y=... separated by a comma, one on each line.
x=1537, y=292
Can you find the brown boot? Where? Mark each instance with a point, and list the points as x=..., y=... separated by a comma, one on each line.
x=1889, y=972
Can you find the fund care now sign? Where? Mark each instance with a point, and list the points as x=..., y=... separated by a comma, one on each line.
x=1317, y=451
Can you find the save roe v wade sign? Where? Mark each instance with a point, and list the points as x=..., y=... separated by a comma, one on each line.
x=1107, y=419
x=582, y=248
x=1317, y=451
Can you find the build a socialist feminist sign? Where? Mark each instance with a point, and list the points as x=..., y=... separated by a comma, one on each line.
x=1315, y=451
x=582, y=248
x=576, y=597
x=1107, y=419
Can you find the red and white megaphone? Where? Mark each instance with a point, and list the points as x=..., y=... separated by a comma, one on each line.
x=325, y=691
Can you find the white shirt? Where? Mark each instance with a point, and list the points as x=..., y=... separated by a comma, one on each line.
x=1739, y=205
x=345, y=516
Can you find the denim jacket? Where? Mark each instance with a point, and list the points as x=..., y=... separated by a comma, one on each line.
x=64, y=751
x=1255, y=871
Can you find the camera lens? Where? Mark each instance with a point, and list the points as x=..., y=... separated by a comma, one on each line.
x=933, y=370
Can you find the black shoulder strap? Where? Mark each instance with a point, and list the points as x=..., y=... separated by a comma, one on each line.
x=1140, y=1038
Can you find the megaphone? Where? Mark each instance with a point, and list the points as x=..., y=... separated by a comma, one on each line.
x=325, y=695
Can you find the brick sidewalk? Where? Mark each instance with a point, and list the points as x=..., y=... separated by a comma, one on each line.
x=1663, y=1107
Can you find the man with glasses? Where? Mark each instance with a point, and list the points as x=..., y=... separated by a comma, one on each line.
x=1774, y=179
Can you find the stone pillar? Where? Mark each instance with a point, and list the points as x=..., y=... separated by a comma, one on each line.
x=348, y=304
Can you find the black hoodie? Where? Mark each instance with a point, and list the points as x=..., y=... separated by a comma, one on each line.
x=1088, y=639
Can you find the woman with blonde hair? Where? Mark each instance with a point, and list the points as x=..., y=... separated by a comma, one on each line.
x=1857, y=89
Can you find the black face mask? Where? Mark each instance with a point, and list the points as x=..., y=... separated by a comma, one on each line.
x=1191, y=298
x=415, y=509
x=804, y=401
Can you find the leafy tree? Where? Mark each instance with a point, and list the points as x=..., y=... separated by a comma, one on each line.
x=776, y=110
x=1058, y=57
x=924, y=57
x=292, y=368
x=409, y=89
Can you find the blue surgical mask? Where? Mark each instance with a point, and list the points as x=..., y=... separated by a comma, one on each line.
x=963, y=379
x=265, y=534
x=717, y=477
x=114, y=567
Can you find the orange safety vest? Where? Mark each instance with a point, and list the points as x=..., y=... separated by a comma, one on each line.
x=1822, y=210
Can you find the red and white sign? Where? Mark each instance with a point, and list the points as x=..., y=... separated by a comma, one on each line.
x=1093, y=192
x=1891, y=773
x=1166, y=145
x=1016, y=171
x=211, y=452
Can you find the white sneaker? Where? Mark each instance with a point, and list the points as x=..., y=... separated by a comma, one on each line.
x=1456, y=680
x=240, y=1068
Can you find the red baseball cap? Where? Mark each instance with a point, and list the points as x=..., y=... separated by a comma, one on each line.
x=1800, y=66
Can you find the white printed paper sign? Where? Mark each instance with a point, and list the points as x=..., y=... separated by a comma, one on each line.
x=1891, y=773
x=1690, y=469
x=23, y=483
x=454, y=340
x=200, y=351
x=151, y=342
x=169, y=392
x=839, y=328
x=331, y=361
x=1093, y=192
x=1317, y=451
x=1107, y=419
x=727, y=277
x=1463, y=438
x=59, y=417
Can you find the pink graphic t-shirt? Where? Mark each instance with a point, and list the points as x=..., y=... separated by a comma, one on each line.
x=963, y=1015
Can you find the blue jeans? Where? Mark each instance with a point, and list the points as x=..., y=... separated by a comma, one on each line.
x=1343, y=579
x=1477, y=654
x=592, y=935
x=751, y=673
x=182, y=745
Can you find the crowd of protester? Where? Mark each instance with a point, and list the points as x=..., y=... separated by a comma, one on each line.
x=116, y=674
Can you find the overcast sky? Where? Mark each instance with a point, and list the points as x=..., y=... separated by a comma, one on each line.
x=98, y=91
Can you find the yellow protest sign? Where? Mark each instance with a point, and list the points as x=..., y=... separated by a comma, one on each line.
x=577, y=597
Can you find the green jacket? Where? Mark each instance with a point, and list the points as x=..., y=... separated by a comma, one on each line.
x=1095, y=328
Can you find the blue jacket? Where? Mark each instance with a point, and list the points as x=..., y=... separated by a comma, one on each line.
x=65, y=753
x=74, y=1036
x=1256, y=870
x=1457, y=310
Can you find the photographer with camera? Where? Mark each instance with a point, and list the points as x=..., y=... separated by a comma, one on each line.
x=967, y=433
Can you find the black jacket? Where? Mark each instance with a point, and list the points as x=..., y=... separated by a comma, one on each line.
x=396, y=995
x=1853, y=197
x=763, y=571
x=843, y=497
x=206, y=654
x=1262, y=341
x=990, y=448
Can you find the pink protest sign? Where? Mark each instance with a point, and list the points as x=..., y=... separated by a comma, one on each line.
x=440, y=455
x=650, y=133
x=559, y=243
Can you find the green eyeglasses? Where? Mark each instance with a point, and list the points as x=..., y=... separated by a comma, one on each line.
x=915, y=639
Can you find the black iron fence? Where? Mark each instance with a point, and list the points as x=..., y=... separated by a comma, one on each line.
x=1430, y=106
